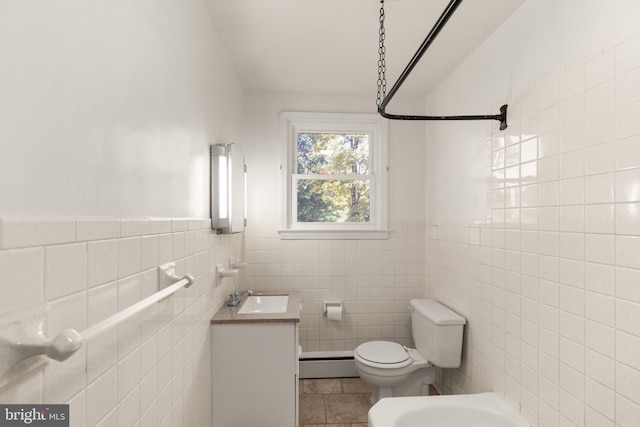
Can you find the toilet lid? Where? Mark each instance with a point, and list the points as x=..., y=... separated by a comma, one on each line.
x=384, y=352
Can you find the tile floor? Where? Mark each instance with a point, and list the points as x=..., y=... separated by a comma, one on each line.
x=339, y=402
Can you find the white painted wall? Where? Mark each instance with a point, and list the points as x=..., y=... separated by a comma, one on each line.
x=374, y=278
x=263, y=145
x=108, y=107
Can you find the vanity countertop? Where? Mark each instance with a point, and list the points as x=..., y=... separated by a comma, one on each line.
x=228, y=314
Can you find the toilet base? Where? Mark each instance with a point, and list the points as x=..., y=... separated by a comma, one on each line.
x=416, y=384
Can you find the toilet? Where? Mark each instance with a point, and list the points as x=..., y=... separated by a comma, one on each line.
x=394, y=370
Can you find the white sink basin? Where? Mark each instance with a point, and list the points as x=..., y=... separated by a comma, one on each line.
x=265, y=304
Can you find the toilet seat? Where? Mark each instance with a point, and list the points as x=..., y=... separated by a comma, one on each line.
x=383, y=354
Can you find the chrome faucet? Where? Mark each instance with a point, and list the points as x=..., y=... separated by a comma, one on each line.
x=236, y=296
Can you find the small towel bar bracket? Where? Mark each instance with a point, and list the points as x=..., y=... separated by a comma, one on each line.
x=22, y=338
x=226, y=272
x=235, y=263
x=167, y=276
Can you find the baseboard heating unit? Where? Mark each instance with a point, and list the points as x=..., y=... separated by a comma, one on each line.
x=327, y=364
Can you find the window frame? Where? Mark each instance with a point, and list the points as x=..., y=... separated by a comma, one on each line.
x=304, y=122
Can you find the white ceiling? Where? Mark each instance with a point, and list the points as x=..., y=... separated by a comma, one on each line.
x=331, y=46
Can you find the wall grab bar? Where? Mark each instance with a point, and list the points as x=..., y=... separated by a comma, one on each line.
x=383, y=98
x=16, y=344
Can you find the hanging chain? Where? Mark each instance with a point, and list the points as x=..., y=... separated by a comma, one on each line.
x=382, y=67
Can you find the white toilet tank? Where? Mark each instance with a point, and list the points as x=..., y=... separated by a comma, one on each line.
x=437, y=332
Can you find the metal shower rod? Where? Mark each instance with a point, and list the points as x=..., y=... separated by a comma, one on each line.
x=439, y=25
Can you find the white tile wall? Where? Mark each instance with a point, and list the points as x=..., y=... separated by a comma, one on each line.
x=375, y=279
x=154, y=369
x=553, y=317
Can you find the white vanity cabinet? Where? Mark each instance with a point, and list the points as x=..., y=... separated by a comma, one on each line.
x=255, y=373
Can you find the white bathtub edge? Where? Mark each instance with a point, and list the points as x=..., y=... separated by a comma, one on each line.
x=388, y=412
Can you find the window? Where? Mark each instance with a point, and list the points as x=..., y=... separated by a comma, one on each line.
x=335, y=176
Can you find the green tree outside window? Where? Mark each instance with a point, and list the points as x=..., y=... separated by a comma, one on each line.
x=337, y=189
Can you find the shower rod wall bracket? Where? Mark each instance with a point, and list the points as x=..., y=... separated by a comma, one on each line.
x=383, y=98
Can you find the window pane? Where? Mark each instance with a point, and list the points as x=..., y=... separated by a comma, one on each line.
x=327, y=200
x=333, y=153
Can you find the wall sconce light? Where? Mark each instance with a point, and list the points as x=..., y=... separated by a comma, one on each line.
x=228, y=188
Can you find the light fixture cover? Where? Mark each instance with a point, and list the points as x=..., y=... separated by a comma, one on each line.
x=228, y=172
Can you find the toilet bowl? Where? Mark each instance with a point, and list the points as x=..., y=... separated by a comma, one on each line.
x=394, y=370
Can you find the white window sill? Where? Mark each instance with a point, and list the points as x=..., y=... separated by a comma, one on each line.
x=333, y=234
